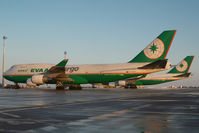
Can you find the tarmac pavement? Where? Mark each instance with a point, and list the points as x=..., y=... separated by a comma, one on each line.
x=114, y=110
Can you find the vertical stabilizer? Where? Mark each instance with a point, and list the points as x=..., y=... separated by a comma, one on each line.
x=157, y=49
x=183, y=66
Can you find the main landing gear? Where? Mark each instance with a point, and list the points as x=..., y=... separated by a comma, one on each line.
x=59, y=85
x=130, y=87
x=75, y=87
x=16, y=86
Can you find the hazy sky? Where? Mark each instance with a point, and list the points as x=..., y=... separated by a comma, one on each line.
x=96, y=31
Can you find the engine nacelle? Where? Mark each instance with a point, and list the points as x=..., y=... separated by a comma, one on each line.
x=122, y=83
x=38, y=79
x=30, y=83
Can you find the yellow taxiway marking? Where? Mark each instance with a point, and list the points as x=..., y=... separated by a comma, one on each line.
x=117, y=113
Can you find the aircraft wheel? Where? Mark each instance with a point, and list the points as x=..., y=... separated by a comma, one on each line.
x=75, y=87
x=16, y=86
x=133, y=87
x=130, y=87
x=127, y=87
x=59, y=86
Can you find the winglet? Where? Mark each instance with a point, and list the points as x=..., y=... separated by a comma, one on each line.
x=183, y=66
x=62, y=63
x=157, y=49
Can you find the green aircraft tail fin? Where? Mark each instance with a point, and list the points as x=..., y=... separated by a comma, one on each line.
x=183, y=66
x=157, y=49
x=62, y=63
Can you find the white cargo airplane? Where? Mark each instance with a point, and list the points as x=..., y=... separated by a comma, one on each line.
x=151, y=59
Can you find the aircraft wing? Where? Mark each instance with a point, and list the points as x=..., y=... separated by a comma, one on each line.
x=57, y=73
x=134, y=79
x=54, y=74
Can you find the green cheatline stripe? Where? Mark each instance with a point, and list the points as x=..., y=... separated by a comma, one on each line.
x=151, y=82
x=81, y=79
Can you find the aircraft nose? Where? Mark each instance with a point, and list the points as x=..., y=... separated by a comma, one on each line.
x=7, y=72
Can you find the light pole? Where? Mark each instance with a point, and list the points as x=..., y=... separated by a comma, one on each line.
x=4, y=38
x=65, y=54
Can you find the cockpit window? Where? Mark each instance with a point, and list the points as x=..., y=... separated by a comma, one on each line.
x=11, y=67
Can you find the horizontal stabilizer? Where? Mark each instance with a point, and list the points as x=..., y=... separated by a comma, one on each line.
x=160, y=64
x=184, y=75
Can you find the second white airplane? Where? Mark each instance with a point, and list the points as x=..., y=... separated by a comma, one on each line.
x=180, y=71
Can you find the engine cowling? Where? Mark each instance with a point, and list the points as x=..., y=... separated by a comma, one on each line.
x=122, y=83
x=30, y=83
x=38, y=79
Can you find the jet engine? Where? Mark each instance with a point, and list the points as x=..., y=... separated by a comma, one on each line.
x=38, y=79
x=30, y=83
x=122, y=83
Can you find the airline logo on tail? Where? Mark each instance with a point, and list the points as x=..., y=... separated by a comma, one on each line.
x=182, y=66
x=155, y=49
